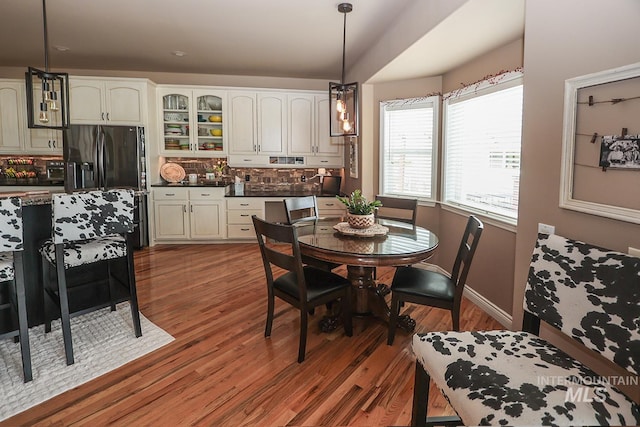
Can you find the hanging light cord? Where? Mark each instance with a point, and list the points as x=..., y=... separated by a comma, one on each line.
x=344, y=38
x=46, y=38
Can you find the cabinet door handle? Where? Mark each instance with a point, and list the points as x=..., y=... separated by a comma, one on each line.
x=245, y=229
x=108, y=116
x=102, y=116
x=244, y=204
x=324, y=161
x=246, y=160
x=205, y=194
x=54, y=143
x=49, y=143
x=184, y=208
x=244, y=214
x=191, y=208
x=170, y=194
x=329, y=204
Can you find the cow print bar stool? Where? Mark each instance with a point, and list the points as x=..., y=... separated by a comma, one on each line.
x=12, y=272
x=92, y=227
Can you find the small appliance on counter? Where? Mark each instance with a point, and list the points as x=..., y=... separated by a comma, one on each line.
x=331, y=185
x=54, y=171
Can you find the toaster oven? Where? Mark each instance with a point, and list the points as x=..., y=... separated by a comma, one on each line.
x=55, y=171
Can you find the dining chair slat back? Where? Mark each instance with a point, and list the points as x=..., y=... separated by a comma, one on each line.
x=301, y=209
x=399, y=209
x=304, y=287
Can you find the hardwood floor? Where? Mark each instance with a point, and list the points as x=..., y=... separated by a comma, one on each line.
x=222, y=371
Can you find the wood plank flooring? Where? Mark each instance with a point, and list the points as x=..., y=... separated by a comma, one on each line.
x=222, y=371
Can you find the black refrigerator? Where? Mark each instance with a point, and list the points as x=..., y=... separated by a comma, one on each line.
x=106, y=157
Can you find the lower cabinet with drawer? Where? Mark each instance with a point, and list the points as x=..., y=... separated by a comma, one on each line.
x=189, y=213
x=239, y=212
x=330, y=207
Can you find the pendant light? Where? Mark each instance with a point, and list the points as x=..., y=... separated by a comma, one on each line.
x=47, y=92
x=343, y=114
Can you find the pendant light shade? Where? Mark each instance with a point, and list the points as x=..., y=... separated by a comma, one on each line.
x=47, y=92
x=344, y=112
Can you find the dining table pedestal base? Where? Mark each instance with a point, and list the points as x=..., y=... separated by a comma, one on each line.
x=369, y=300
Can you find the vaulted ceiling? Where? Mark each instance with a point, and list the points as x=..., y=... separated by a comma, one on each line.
x=279, y=38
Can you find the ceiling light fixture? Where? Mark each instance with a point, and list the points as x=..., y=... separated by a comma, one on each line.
x=344, y=97
x=178, y=53
x=48, y=90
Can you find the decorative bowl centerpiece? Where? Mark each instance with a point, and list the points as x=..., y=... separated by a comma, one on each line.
x=359, y=210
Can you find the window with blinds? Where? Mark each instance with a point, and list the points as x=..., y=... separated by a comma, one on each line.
x=482, y=134
x=407, y=147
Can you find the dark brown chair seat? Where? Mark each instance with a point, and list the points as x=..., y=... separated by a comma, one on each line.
x=432, y=288
x=418, y=282
x=304, y=287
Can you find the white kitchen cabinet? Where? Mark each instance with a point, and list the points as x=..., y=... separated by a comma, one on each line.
x=206, y=212
x=193, y=122
x=272, y=124
x=15, y=136
x=330, y=207
x=171, y=219
x=44, y=141
x=114, y=102
x=12, y=115
x=242, y=123
x=308, y=131
x=239, y=212
x=258, y=123
x=187, y=214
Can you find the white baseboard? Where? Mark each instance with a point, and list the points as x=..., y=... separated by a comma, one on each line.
x=487, y=306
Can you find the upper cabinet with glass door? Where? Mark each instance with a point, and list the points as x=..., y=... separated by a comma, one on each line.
x=210, y=119
x=192, y=122
x=176, y=122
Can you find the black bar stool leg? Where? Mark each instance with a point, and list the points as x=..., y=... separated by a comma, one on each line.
x=64, y=304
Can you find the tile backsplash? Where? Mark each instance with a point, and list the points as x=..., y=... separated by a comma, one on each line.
x=21, y=170
x=256, y=178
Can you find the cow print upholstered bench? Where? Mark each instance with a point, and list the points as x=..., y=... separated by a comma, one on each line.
x=516, y=378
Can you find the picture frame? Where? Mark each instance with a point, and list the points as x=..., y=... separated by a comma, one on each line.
x=353, y=157
x=570, y=179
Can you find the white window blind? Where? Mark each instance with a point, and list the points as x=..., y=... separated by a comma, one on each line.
x=407, y=155
x=482, y=135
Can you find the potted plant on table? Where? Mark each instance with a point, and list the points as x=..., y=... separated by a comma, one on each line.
x=360, y=211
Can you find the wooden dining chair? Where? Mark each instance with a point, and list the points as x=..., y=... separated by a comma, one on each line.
x=427, y=287
x=399, y=209
x=302, y=286
x=299, y=209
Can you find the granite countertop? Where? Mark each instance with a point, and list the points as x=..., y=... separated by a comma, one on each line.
x=30, y=197
x=187, y=185
x=278, y=193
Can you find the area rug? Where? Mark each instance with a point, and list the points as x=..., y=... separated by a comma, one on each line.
x=102, y=341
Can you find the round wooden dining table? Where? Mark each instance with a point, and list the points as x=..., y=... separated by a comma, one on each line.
x=403, y=244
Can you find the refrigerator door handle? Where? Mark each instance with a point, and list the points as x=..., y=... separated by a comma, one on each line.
x=100, y=164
